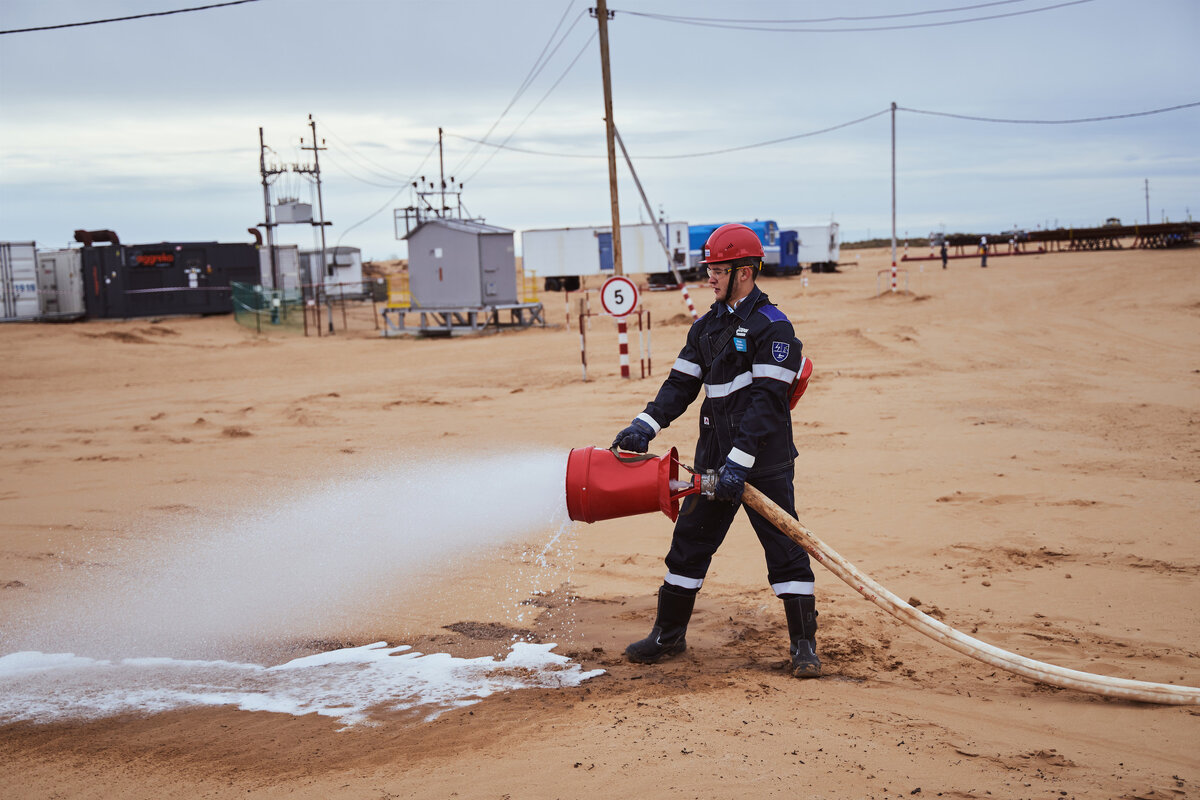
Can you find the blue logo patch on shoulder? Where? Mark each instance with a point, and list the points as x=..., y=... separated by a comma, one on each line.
x=773, y=313
x=780, y=350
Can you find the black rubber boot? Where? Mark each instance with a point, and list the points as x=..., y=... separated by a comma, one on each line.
x=666, y=637
x=801, y=611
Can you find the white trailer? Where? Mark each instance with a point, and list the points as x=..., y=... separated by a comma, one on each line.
x=343, y=268
x=563, y=255
x=18, y=281
x=817, y=245
x=60, y=283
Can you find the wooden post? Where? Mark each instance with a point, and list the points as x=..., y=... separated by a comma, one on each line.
x=602, y=19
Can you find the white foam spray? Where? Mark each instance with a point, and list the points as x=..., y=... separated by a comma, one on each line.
x=294, y=568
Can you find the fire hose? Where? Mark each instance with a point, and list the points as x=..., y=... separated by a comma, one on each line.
x=1042, y=672
x=603, y=484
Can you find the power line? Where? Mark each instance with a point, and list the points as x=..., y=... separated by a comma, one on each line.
x=703, y=23
x=839, y=126
x=133, y=16
x=370, y=165
x=775, y=141
x=549, y=91
x=684, y=155
x=337, y=163
x=822, y=20
x=389, y=201
x=1050, y=121
x=538, y=65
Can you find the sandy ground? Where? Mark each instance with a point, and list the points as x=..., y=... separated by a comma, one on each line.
x=1018, y=448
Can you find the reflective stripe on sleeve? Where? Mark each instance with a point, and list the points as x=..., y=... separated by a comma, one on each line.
x=726, y=389
x=741, y=457
x=649, y=420
x=793, y=587
x=682, y=582
x=773, y=371
x=687, y=368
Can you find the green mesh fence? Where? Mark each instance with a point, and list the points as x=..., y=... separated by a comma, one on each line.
x=268, y=310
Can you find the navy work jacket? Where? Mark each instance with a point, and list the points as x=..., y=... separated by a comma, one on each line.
x=745, y=361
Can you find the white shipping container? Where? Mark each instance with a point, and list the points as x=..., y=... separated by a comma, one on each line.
x=18, y=281
x=60, y=283
x=560, y=252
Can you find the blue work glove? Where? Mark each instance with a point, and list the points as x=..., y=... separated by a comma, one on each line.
x=636, y=438
x=731, y=482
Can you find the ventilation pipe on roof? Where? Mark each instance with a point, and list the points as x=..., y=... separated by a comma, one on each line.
x=88, y=238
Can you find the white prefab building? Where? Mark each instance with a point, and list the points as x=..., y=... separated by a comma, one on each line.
x=342, y=265
x=18, y=281
x=287, y=260
x=60, y=283
x=563, y=252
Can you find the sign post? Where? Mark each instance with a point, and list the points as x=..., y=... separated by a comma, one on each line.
x=619, y=297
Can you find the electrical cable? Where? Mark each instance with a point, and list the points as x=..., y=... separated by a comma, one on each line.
x=700, y=22
x=845, y=125
x=358, y=158
x=821, y=20
x=775, y=141
x=549, y=91
x=538, y=65
x=337, y=163
x=686, y=155
x=132, y=16
x=1049, y=121
x=389, y=201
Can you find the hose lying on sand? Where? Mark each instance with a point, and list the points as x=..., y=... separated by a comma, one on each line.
x=1143, y=691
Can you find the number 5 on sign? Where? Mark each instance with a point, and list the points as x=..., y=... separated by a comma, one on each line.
x=619, y=296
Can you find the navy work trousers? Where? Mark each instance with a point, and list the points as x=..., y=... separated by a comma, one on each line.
x=703, y=523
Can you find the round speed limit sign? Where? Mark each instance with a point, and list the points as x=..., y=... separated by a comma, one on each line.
x=619, y=296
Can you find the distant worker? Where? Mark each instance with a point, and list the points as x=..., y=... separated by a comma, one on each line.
x=744, y=353
x=945, y=253
x=983, y=251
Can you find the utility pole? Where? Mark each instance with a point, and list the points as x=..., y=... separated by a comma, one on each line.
x=1147, y=201
x=267, y=223
x=315, y=170
x=442, y=174
x=602, y=15
x=893, y=196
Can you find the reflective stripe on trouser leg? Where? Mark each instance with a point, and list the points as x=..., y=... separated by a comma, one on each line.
x=699, y=531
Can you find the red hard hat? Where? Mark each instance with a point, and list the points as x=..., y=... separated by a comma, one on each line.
x=731, y=242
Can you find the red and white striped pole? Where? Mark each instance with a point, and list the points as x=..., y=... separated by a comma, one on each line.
x=623, y=341
x=582, y=340
x=893, y=276
x=687, y=298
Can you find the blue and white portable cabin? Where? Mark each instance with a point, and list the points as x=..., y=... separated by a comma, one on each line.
x=767, y=231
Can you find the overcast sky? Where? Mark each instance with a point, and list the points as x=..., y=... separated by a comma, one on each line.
x=149, y=127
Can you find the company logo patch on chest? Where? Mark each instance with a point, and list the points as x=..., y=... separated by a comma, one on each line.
x=780, y=350
x=739, y=344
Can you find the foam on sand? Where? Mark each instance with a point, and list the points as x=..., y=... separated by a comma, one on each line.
x=353, y=685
